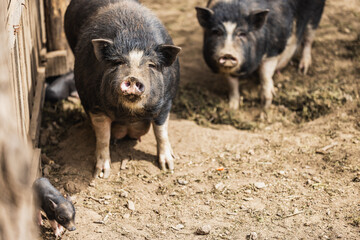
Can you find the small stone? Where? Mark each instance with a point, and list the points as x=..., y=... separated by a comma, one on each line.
x=178, y=227
x=106, y=203
x=182, y=181
x=56, y=166
x=123, y=193
x=260, y=185
x=107, y=197
x=203, y=230
x=71, y=187
x=46, y=170
x=316, y=179
x=282, y=173
x=220, y=186
x=248, y=191
x=296, y=211
x=131, y=205
x=328, y=212
x=356, y=179
x=92, y=184
x=126, y=216
x=173, y=194
x=252, y=236
x=309, y=182
x=251, y=152
x=346, y=30
x=248, y=199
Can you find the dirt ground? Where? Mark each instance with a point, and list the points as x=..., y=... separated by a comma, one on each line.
x=294, y=176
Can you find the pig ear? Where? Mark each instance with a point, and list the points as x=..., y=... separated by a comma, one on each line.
x=99, y=46
x=167, y=54
x=204, y=15
x=53, y=205
x=258, y=18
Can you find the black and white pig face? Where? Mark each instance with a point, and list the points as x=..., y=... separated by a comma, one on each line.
x=228, y=38
x=133, y=77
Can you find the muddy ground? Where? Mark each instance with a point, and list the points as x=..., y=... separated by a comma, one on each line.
x=295, y=175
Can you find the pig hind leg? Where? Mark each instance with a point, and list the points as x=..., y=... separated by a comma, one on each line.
x=309, y=35
x=288, y=52
x=164, y=150
x=305, y=61
x=266, y=72
x=102, y=127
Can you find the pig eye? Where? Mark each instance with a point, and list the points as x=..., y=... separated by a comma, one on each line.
x=241, y=34
x=61, y=219
x=152, y=65
x=216, y=32
x=119, y=62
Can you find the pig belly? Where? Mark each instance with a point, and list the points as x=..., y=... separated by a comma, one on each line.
x=133, y=130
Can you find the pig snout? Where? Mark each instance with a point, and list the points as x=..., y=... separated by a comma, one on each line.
x=132, y=86
x=73, y=228
x=228, y=61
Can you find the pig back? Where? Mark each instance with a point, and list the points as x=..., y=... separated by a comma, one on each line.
x=78, y=13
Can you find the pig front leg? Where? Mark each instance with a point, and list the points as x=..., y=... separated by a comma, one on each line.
x=39, y=218
x=234, y=94
x=164, y=150
x=102, y=127
x=266, y=72
x=57, y=228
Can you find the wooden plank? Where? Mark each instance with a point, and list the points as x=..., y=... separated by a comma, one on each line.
x=37, y=107
x=56, y=63
x=35, y=169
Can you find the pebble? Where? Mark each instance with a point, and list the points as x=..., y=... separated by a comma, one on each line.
x=178, y=227
x=248, y=191
x=296, y=211
x=123, y=193
x=282, y=173
x=46, y=170
x=248, y=199
x=220, y=186
x=107, y=197
x=71, y=187
x=251, y=152
x=316, y=179
x=203, y=230
x=92, y=184
x=182, y=181
x=173, y=194
x=131, y=205
x=126, y=215
x=252, y=236
x=260, y=185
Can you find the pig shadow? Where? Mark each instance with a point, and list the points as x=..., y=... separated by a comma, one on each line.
x=76, y=154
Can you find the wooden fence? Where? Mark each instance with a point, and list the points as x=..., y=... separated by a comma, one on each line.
x=26, y=44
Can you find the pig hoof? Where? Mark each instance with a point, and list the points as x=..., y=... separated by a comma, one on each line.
x=234, y=104
x=304, y=66
x=101, y=173
x=166, y=161
x=106, y=173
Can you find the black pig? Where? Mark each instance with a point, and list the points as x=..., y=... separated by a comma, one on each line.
x=126, y=73
x=61, y=88
x=59, y=210
x=242, y=37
